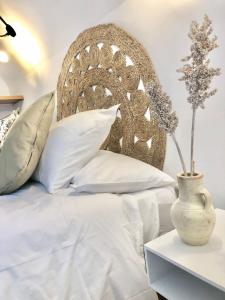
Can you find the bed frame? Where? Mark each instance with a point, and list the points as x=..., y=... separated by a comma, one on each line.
x=105, y=66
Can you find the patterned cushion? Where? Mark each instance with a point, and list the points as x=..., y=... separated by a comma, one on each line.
x=6, y=123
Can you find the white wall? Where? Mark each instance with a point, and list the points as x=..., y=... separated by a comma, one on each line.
x=161, y=26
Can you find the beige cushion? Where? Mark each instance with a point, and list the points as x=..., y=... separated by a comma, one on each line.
x=24, y=143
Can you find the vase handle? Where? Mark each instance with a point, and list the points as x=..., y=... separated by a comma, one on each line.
x=206, y=198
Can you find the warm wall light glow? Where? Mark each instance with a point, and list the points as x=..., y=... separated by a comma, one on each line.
x=25, y=46
x=4, y=58
x=181, y=2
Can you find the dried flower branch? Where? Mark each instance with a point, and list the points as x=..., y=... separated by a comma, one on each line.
x=197, y=73
x=167, y=119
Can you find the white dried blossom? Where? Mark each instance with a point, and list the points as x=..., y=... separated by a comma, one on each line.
x=162, y=107
x=197, y=76
x=197, y=73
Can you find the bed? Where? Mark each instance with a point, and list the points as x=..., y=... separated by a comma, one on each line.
x=81, y=246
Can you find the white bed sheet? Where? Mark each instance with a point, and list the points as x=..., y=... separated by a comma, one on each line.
x=67, y=246
x=165, y=196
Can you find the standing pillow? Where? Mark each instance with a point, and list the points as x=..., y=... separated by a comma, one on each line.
x=22, y=148
x=71, y=143
x=110, y=172
x=6, y=123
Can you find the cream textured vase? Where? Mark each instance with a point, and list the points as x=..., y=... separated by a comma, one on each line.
x=193, y=214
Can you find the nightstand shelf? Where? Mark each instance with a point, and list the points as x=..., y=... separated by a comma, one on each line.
x=10, y=99
x=178, y=271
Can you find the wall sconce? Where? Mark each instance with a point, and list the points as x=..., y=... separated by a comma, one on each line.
x=8, y=28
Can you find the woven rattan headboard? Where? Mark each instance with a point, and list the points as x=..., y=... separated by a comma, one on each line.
x=105, y=66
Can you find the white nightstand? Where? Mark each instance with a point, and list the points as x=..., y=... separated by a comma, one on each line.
x=181, y=272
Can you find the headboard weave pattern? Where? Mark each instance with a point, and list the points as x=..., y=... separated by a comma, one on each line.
x=105, y=66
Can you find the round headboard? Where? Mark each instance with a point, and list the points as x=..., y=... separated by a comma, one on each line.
x=105, y=66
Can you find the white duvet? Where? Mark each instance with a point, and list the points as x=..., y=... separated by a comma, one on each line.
x=75, y=247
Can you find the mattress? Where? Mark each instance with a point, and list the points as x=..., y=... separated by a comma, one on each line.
x=164, y=197
x=69, y=246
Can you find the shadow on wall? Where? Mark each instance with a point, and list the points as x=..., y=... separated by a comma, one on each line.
x=4, y=109
x=5, y=91
x=4, y=87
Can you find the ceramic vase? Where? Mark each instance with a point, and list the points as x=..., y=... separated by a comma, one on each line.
x=193, y=214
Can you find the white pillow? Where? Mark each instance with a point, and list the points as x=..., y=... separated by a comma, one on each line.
x=110, y=172
x=71, y=143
